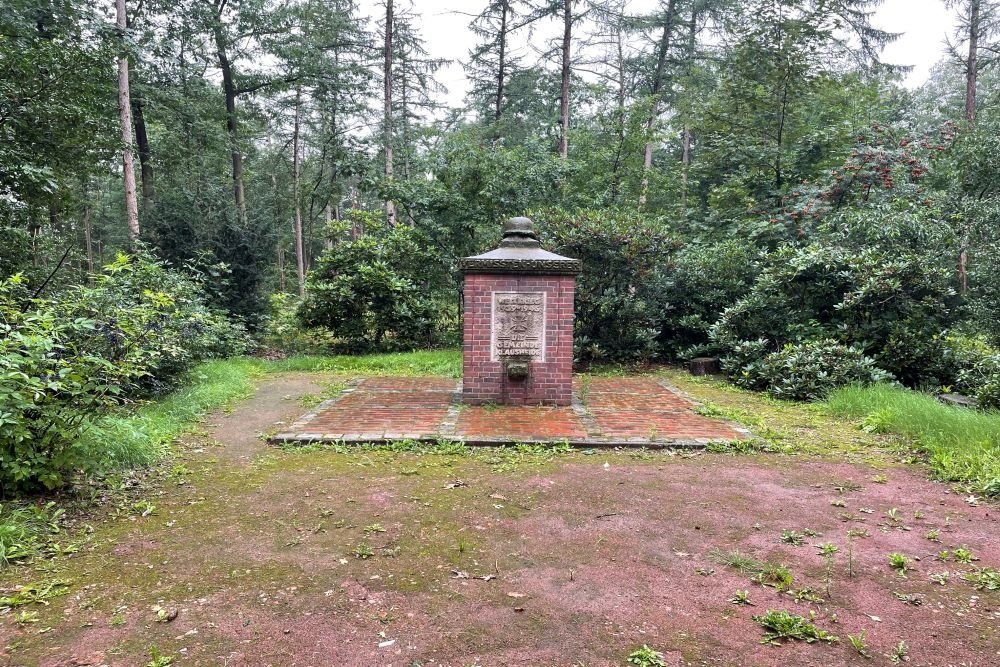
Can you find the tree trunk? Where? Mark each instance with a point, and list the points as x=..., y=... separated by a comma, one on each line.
x=686, y=155
x=779, y=177
x=564, y=98
x=654, y=113
x=620, y=120
x=281, y=268
x=300, y=258
x=232, y=126
x=88, y=240
x=501, y=61
x=972, y=65
x=125, y=113
x=145, y=155
x=390, y=206
x=327, y=220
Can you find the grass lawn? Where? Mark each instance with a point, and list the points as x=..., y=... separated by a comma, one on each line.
x=961, y=445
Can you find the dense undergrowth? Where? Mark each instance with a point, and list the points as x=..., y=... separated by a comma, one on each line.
x=961, y=445
x=70, y=359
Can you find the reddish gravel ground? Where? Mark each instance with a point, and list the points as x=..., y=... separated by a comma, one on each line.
x=364, y=558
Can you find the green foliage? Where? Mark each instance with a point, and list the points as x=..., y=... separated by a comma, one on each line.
x=476, y=184
x=892, y=307
x=646, y=656
x=697, y=285
x=780, y=625
x=961, y=445
x=65, y=362
x=50, y=384
x=378, y=292
x=26, y=530
x=974, y=368
x=983, y=579
x=618, y=308
x=859, y=644
x=56, y=83
x=803, y=371
x=284, y=331
x=899, y=562
x=152, y=321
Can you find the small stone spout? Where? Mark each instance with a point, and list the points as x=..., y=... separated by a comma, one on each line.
x=517, y=368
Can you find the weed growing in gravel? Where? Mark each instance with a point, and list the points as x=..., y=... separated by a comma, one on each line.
x=859, y=644
x=737, y=560
x=828, y=550
x=744, y=447
x=373, y=528
x=983, y=579
x=26, y=617
x=782, y=625
x=793, y=537
x=646, y=657
x=26, y=531
x=964, y=555
x=27, y=594
x=778, y=577
x=157, y=659
x=940, y=578
x=765, y=573
x=899, y=562
x=741, y=598
x=900, y=653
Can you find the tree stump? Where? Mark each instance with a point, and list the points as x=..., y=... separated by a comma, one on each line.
x=958, y=400
x=704, y=366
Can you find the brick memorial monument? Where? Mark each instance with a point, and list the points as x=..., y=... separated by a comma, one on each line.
x=518, y=322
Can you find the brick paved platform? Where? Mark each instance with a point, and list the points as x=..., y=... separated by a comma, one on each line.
x=606, y=412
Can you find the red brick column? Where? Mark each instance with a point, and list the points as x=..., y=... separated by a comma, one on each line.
x=550, y=381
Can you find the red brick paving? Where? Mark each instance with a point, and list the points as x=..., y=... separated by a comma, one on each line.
x=520, y=423
x=381, y=408
x=642, y=408
x=607, y=411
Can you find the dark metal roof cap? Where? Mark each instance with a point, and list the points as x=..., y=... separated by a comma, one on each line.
x=519, y=233
x=521, y=253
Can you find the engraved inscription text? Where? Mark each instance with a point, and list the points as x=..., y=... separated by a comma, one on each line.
x=518, y=325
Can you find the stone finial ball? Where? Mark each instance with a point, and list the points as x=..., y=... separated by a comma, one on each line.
x=519, y=227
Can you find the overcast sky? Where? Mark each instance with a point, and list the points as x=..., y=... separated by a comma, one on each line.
x=444, y=25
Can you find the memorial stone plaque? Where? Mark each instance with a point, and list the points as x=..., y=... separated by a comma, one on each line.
x=518, y=326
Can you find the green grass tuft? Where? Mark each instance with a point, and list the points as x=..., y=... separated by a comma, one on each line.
x=26, y=530
x=142, y=437
x=961, y=445
x=426, y=362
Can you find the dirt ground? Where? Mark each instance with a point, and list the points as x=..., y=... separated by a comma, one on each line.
x=367, y=558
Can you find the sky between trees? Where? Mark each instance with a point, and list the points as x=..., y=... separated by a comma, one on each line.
x=924, y=24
